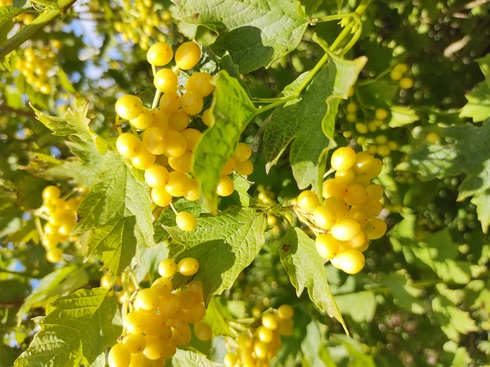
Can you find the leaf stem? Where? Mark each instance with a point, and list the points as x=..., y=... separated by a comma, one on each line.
x=297, y=92
x=155, y=99
x=37, y=24
x=19, y=273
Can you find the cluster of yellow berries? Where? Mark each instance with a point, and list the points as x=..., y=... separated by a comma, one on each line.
x=259, y=346
x=161, y=142
x=38, y=66
x=348, y=216
x=141, y=22
x=159, y=318
x=60, y=215
x=398, y=73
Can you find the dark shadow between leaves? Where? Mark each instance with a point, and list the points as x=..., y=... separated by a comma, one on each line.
x=245, y=47
x=215, y=258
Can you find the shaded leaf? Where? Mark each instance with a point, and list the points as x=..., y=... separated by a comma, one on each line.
x=53, y=286
x=264, y=32
x=306, y=270
x=348, y=304
x=224, y=245
x=186, y=358
x=466, y=151
x=308, y=122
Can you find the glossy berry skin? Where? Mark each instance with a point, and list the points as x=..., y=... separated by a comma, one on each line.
x=200, y=83
x=119, y=356
x=203, y=331
x=187, y=55
x=128, y=145
x=188, y=266
x=186, y=221
x=167, y=268
x=129, y=107
x=165, y=80
x=51, y=192
x=343, y=158
x=225, y=186
x=308, y=200
x=350, y=261
x=159, y=54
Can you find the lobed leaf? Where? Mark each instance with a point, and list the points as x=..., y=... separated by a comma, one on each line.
x=309, y=121
x=465, y=151
x=53, y=286
x=116, y=212
x=76, y=330
x=306, y=270
x=224, y=245
x=263, y=32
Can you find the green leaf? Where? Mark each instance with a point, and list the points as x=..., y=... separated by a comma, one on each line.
x=187, y=358
x=348, y=304
x=75, y=122
x=484, y=63
x=306, y=270
x=8, y=13
x=313, y=347
x=224, y=245
x=478, y=105
x=356, y=352
x=81, y=140
x=466, y=151
x=53, y=286
x=401, y=116
x=116, y=211
x=216, y=317
x=264, y=32
x=404, y=295
x=240, y=196
x=76, y=330
x=309, y=121
x=115, y=242
x=232, y=111
x=452, y=320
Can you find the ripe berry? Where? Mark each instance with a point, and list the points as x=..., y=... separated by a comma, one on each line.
x=186, y=221
x=129, y=107
x=159, y=54
x=187, y=55
x=188, y=266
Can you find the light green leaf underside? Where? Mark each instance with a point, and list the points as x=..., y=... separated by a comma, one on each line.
x=116, y=211
x=81, y=140
x=306, y=270
x=216, y=316
x=76, y=330
x=232, y=111
x=478, y=105
x=224, y=245
x=188, y=358
x=254, y=32
x=75, y=122
x=467, y=152
x=8, y=13
x=52, y=286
